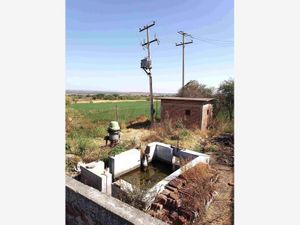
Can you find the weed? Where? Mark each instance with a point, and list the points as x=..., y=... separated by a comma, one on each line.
x=118, y=149
x=184, y=133
x=179, y=125
x=198, y=148
x=211, y=148
x=71, y=162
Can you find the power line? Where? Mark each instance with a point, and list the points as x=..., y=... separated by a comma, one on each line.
x=215, y=42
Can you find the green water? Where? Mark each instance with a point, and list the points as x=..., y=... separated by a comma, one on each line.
x=144, y=180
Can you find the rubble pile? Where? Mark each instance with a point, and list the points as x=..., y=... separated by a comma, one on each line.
x=225, y=154
x=226, y=139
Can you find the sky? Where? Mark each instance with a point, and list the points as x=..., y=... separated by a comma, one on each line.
x=103, y=43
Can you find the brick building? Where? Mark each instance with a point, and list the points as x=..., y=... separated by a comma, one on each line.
x=193, y=112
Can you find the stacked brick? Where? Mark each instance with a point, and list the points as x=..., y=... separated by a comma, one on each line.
x=169, y=205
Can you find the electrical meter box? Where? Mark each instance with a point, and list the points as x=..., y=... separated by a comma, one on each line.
x=146, y=63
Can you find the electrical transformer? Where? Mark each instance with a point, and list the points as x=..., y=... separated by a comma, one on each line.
x=146, y=63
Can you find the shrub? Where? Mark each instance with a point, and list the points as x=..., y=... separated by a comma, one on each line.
x=211, y=148
x=83, y=144
x=184, y=133
x=118, y=149
x=79, y=145
x=198, y=148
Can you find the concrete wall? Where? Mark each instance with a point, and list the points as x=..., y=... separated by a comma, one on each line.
x=163, y=152
x=189, y=154
x=96, y=176
x=124, y=162
x=207, y=113
x=92, y=179
x=152, y=147
x=87, y=206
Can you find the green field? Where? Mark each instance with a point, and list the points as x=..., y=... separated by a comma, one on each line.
x=120, y=111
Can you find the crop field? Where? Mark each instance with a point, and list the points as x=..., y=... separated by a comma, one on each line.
x=120, y=111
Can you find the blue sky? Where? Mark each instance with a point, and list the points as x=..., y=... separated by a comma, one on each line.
x=103, y=49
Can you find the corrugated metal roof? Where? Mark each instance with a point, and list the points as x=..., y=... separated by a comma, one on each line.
x=186, y=99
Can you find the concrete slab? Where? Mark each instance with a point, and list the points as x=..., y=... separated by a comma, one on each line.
x=124, y=162
x=89, y=178
x=163, y=152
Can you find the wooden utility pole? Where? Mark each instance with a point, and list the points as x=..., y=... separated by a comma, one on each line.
x=183, y=43
x=149, y=67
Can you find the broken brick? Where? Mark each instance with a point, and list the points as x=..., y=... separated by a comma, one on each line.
x=162, y=199
x=171, y=188
x=156, y=206
x=165, y=192
x=174, y=196
x=176, y=183
x=181, y=220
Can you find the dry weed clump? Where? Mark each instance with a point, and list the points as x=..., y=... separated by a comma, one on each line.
x=220, y=126
x=200, y=188
x=71, y=162
x=186, y=198
x=175, y=134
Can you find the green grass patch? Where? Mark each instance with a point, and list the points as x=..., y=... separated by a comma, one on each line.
x=120, y=111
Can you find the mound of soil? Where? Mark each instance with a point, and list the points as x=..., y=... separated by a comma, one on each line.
x=139, y=122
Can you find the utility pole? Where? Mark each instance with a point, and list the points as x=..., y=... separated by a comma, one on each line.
x=146, y=65
x=183, y=43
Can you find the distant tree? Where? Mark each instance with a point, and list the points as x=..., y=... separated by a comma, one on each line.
x=99, y=96
x=194, y=89
x=116, y=96
x=225, y=96
x=109, y=97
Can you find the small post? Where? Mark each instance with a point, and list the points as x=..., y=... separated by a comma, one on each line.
x=117, y=119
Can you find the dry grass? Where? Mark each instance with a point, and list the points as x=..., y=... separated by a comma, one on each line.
x=198, y=191
x=219, y=127
x=175, y=134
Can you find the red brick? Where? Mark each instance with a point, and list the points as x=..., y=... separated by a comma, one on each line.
x=176, y=183
x=171, y=188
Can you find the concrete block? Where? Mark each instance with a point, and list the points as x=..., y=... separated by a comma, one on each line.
x=92, y=175
x=120, y=188
x=89, y=178
x=108, y=182
x=152, y=147
x=103, y=183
